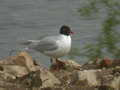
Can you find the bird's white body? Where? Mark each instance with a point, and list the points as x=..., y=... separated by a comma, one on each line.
x=53, y=46
x=64, y=46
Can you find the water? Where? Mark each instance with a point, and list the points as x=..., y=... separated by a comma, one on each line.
x=22, y=20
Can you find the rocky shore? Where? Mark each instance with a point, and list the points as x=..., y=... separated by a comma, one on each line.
x=21, y=72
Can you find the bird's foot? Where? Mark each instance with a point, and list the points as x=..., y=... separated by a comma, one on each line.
x=59, y=65
x=53, y=67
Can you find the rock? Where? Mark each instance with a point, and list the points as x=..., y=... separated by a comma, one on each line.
x=116, y=62
x=48, y=79
x=87, y=76
x=21, y=72
x=21, y=59
x=109, y=79
x=64, y=76
x=89, y=66
x=116, y=70
x=19, y=65
x=36, y=62
x=95, y=80
x=67, y=65
x=115, y=83
x=112, y=84
x=37, y=80
x=6, y=85
x=97, y=64
x=30, y=81
x=70, y=64
x=6, y=76
x=17, y=71
x=97, y=61
x=106, y=62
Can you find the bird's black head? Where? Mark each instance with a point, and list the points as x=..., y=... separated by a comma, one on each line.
x=65, y=30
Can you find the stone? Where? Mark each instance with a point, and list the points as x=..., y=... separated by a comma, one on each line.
x=17, y=71
x=64, y=76
x=30, y=81
x=67, y=65
x=22, y=72
x=48, y=79
x=116, y=62
x=97, y=61
x=106, y=62
x=89, y=67
x=113, y=84
x=35, y=62
x=20, y=59
x=87, y=76
x=116, y=70
x=6, y=76
x=70, y=64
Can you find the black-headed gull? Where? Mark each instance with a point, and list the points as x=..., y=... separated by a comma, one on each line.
x=54, y=46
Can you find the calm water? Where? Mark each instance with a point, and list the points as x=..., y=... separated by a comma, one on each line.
x=22, y=20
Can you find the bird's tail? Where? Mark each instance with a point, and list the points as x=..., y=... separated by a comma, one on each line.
x=29, y=46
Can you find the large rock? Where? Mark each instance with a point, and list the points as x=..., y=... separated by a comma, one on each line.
x=66, y=65
x=19, y=65
x=21, y=72
x=48, y=79
x=88, y=76
x=70, y=64
x=30, y=81
x=73, y=78
x=6, y=76
x=111, y=78
x=106, y=62
x=42, y=79
x=16, y=70
x=21, y=59
x=116, y=62
x=115, y=83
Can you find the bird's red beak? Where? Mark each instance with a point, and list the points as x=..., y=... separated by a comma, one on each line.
x=71, y=32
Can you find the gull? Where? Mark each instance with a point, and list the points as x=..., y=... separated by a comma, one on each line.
x=54, y=46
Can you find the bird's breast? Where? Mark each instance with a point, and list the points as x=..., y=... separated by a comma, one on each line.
x=64, y=46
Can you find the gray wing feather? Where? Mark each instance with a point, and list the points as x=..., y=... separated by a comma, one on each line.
x=46, y=44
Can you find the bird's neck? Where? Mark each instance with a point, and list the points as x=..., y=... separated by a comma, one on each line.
x=66, y=38
x=65, y=35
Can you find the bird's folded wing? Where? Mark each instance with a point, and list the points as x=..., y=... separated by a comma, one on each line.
x=32, y=41
x=45, y=45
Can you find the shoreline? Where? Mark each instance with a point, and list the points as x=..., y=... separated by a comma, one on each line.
x=20, y=71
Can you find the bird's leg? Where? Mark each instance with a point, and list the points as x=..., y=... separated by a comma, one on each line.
x=51, y=61
x=52, y=66
x=57, y=64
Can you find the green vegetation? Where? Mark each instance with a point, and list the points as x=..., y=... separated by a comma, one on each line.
x=73, y=53
x=108, y=39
